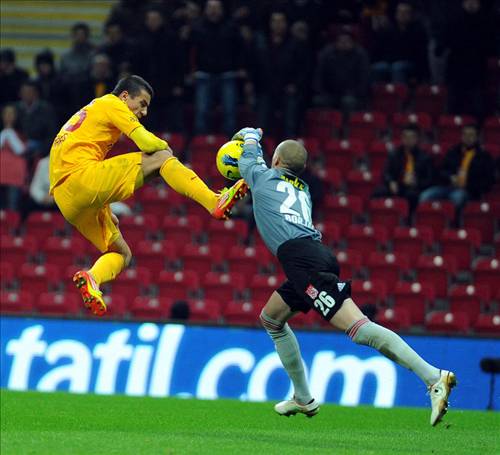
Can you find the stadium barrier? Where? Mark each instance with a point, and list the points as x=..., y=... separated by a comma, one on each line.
x=215, y=362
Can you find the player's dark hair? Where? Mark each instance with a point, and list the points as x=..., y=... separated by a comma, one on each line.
x=81, y=26
x=133, y=85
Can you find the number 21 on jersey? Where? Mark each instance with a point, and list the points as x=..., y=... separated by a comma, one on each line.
x=295, y=213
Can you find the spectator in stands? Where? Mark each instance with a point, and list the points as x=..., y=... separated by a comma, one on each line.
x=160, y=61
x=216, y=45
x=99, y=82
x=11, y=77
x=399, y=52
x=343, y=74
x=39, y=197
x=52, y=88
x=407, y=171
x=10, y=141
x=120, y=50
x=278, y=76
x=75, y=63
x=10, y=138
x=469, y=40
x=467, y=172
x=37, y=122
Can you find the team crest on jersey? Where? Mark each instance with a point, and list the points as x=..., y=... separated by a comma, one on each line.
x=312, y=292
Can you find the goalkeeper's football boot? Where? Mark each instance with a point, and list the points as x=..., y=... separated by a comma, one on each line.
x=289, y=408
x=439, y=392
x=89, y=290
x=227, y=198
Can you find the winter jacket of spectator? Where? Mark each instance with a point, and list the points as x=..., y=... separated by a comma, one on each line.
x=480, y=176
x=10, y=85
x=217, y=47
x=343, y=73
x=395, y=167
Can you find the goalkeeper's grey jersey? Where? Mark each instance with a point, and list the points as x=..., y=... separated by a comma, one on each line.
x=281, y=201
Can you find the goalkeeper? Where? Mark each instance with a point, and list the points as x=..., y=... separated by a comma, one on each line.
x=282, y=210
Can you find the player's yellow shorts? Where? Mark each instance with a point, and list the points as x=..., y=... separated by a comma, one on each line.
x=84, y=197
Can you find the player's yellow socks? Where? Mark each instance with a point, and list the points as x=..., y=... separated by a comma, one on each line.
x=186, y=182
x=107, y=267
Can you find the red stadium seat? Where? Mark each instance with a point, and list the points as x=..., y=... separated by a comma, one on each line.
x=9, y=222
x=431, y=99
x=437, y=271
x=204, y=310
x=343, y=154
x=137, y=227
x=233, y=232
x=412, y=241
x=246, y=313
x=342, y=209
x=155, y=255
x=369, y=291
x=481, y=216
x=159, y=200
x=45, y=224
x=131, y=281
x=460, y=243
x=175, y=141
x=116, y=306
x=413, y=297
x=378, y=152
x=388, y=211
x=182, y=229
x=323, y=123
x=63, y=251
x=488, y=324
x=6, y=274
x=437, y=215
x=59, y=304
x=246, y=260
x=389, y=98
x=437, y=151
x=387, y=267
x=350, y=263
x=18, y=250
x=178, y=285
x=331, y=178
x=487, y=272
x=39, y=278
x=262, y=286
x=493, y=149
x=447, y=322
x=491, y=130
x=151, y=308
x=362, y=183
x=401, y=119
x=468, y=299
x=394, y=318
x=330, y=232
x=16, y=302
x=366, y=238
x=312, y=145
x=222, y=287
x=450, y=127
x=301, y=320
x=201, y=258
x=367, y=126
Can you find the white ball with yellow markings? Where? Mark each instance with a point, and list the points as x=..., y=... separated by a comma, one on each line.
x=227, y=159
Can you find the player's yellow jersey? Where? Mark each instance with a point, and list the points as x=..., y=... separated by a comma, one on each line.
x=89, y=135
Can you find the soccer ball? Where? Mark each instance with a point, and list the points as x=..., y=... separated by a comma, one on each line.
x=227, y=159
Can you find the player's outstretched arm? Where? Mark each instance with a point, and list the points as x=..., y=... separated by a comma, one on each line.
x=251, y=163
x=146, y=141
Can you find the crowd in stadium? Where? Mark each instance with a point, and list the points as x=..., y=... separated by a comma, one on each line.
x=392, y=98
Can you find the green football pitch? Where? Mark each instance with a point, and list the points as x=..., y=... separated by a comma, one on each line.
x=60, y=423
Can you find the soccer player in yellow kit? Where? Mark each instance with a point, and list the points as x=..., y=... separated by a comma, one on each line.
x=84, y=183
